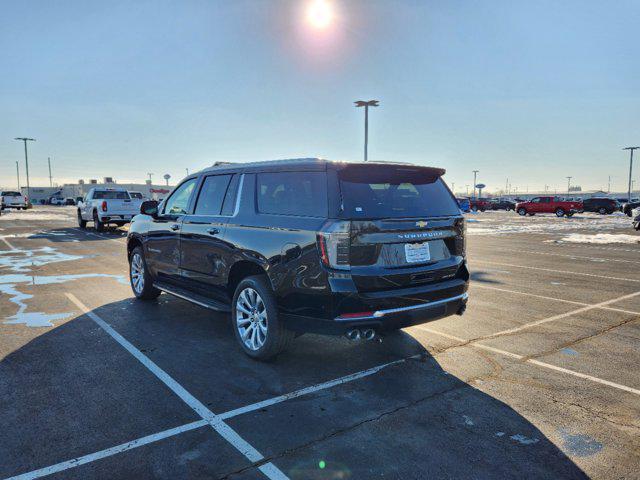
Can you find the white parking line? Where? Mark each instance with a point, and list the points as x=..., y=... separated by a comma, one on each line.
x=11, y=247
x=270, y=470
x=103, y=237
x=534, y=362
x=311, y=389
x=509, y=331
x=139, y=442
x=123, y=447
x=568, y=255
x=557, y=271
x=544, y=297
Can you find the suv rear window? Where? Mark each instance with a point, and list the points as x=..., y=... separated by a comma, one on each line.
x=293, y=193
x=11, y=194
x=110, y=195
x=394, y=192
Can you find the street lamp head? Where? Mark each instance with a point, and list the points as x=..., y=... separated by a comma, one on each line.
x=25, y=139
x=370, y=103
x=631, y=148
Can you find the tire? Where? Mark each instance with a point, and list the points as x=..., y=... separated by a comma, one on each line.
x=602, y=211
x=522, y=211
x=474, y=209
x=81, y=223
x=98, y=225
x=569, y=215
x=559, y=212
x=259, y=314
x=140, y=278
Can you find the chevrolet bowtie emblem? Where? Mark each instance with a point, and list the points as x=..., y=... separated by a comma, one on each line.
x=421, y=224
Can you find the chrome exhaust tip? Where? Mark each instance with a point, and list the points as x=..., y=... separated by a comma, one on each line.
x=368, y=333
x=353, y=335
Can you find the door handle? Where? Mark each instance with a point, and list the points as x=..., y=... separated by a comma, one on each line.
x=213, y=231
x=175, y=227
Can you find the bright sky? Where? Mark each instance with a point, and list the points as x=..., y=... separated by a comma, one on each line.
x=529, y=90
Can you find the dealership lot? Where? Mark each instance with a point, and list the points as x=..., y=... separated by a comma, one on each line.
x=539, y=379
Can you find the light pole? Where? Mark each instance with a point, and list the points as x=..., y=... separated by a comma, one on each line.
x=166, y=177
x=187, y=171
x=366, y=105
x=150, y=175
x=18, y=174
x=609, y=185
x=569, y=184
x=475, y=175
x=26, y=162
x=50, y=179
x=631, y=149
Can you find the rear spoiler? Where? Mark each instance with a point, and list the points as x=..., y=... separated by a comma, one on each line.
x=383, y=172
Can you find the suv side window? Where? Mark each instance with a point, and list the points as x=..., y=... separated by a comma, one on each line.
x=211, y=195
x=292, y=193
x=178, y=202
x=535, y=200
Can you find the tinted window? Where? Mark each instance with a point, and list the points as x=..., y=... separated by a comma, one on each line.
x=211, y=195
x=178, y=202
x=10, y=194
x=229, y=203
x=293, y=193
x=109, y=195
x=394, y=192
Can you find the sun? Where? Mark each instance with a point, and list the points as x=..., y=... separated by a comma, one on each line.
x=320, y=14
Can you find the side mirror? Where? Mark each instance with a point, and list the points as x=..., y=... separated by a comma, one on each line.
x=149, y=207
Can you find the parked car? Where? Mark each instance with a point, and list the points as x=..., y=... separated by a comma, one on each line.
x=636, y=222
x=13, y=199
x=464, y=204
x=496, y=204
x=549, y=205
x=602, y=205
x=481, y=204
x=628, y=208
x=305, y=245
x=104, y=206
x=56, y=201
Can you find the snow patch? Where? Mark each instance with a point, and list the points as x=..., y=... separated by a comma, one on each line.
x=598, y=238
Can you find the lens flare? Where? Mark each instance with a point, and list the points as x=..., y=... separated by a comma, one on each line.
x=320, y=14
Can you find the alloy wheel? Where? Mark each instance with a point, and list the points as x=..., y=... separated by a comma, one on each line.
x=251, y=319
x=137, y=273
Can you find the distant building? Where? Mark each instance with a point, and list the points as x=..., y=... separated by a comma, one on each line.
x=40, y=195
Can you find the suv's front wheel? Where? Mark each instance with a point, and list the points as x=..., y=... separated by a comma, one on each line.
x=522, y=211
x=259, y=331
x=141, y=281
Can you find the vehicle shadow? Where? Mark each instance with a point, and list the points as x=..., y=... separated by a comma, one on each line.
x=76, y=234
x=74, y=390
x=482, y=277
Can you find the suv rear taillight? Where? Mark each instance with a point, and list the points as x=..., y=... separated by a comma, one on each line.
x=334, y=243
x=461, y=233
x=104, y=206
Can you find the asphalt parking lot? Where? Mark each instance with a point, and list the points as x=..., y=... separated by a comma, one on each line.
x=539, y=379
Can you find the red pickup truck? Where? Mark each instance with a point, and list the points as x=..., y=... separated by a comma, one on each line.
x=549, y=205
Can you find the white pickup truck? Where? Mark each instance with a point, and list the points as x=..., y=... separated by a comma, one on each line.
x=11, y=199
x=103, y=206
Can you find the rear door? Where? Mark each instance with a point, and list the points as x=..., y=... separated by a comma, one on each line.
x=203, y=252
x=406, y=229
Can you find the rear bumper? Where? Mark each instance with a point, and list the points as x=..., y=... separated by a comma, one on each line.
x=448, y=300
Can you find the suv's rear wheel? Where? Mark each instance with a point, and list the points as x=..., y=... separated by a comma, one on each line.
x=141, y=282
x=257, y=327
x=522, y=211
x=602, y=211
x=560, y=212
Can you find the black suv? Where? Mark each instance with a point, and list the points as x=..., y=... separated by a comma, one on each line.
x=604, y=206
x=307, y=245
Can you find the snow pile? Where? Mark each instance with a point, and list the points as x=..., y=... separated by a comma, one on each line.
x=599, y=238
